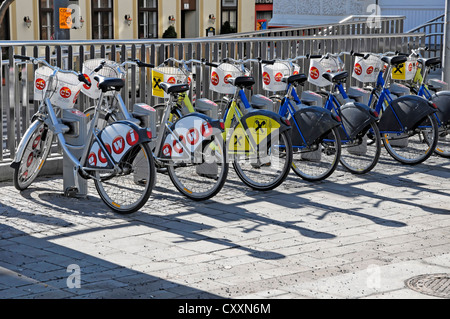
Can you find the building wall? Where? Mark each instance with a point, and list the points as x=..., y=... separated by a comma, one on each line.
x=197, y=21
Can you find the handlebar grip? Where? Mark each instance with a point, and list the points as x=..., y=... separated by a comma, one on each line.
x=83, y=79
x=22, y=57
x=226, y=60
x=400, y=53
x=144, y=65
x=314, y=56
x=214, y=65
x=99, y=68
x=271, y=62
x=359, y=55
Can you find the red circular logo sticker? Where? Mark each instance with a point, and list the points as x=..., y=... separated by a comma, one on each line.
x=92, y=160
x=36, y=142
x=172, y=80
x=132, y=138
x=410, y=67
x=65, y=93
x=40, y=84
x=193, y=136
x=370, y=70
x=118, y=145
x=314, y=73
x=207, y=130
x=167, y=150
x=101, y=157
x=177, y=147
x=228, y=76
x=358, y=69
x=89, y=79
x=30, y=160
x=279, y=77
x=266, y=78
x=215, y=79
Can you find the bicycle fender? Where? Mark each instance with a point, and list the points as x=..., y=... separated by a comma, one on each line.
x=192, y=130
x=409, y=109
x=23, y=143
x=356, y=117
x=442, y=101
x=117, y=138
x=313, y=122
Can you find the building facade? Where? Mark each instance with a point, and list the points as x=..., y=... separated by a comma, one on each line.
x=130, y=19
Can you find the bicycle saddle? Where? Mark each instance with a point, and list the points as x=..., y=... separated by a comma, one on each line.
x=174, y=88
x=394, y=60
x=336, y=77
x=242, y=81
x=298, y=78
x=109, y=84
x=430, y=62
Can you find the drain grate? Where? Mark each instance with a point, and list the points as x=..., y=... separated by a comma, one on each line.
x=437, y=285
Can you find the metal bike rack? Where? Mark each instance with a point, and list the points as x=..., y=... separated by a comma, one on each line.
x=76, y=136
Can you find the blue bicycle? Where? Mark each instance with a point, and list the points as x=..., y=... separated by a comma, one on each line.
x=315, y=135
x=408, y=125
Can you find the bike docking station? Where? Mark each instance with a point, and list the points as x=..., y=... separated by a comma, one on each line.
x=207, y=107
x=76, y=131
x=147, y=117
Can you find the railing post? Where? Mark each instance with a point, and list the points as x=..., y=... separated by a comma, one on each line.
x=446, y=49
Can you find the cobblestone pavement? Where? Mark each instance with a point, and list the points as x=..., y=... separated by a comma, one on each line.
x=347, y=237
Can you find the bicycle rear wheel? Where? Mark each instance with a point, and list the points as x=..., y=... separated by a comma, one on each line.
x=361, y=155
x=205, y=178
x=319, y=161
x=36, y=152
x=417, y=145
x=128, y=192
x=443, y=145
x=270, y=167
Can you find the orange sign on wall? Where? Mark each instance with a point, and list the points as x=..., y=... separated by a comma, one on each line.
x=65, y=18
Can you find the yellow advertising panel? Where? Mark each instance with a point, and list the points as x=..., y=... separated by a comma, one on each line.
x=157, y=79
x=260, y=127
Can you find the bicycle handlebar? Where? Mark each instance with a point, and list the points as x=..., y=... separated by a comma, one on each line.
x=80, y=76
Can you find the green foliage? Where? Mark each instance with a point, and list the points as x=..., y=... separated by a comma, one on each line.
x=170, y=32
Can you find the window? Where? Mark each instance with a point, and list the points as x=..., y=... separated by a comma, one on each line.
x=229, y=16
x=148, y=19
x=46, y=18
x=102, y=19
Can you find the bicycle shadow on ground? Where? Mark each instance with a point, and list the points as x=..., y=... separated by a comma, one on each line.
x=35, y=268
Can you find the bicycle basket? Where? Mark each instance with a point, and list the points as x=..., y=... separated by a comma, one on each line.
x=405, y=71
x=367, y=70
x=273, y=75
x=319, y=67
x=220, y=76
x=64, y=91
x=170, y=75
x=109, y=70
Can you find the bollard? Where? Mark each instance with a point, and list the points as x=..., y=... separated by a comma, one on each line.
x=147, y=118
x=76, y=121
x=261, y=102
x=312, y=99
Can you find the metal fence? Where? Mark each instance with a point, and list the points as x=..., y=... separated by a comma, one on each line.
x=16, y=92
x=434, y=35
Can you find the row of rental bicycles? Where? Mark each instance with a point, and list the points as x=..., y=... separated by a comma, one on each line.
x=262, y=137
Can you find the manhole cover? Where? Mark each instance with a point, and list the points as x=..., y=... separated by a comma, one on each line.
x=433, y=285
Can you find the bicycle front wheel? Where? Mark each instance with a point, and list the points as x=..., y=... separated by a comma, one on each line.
x=415, y=146
x=33, y=159
x=129, y=191
x=267, y=168
x=205, y=178
x=361, y=155
x=319, y=161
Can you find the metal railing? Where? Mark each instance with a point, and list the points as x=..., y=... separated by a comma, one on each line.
x=16, y=92
x=434, y=35
x=353, y=25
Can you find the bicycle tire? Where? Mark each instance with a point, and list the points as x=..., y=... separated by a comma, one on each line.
x=362, y=156
x=203, y=180
x=34, y=157
x=254, y=173
x=320, y=161
x=128, y=192
x=414, y=148
x=443, y=145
